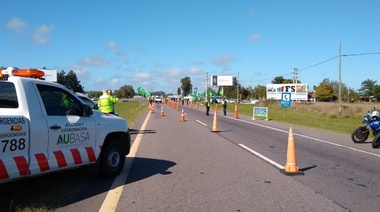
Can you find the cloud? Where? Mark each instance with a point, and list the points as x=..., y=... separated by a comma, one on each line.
x=141, y=76
x=222, y=61
x=80, y=71
x=172, y=72
x=16, y=24
x=194, y=70
x=93, y=60
x=113, y=81
x=111, y=45
x=42, y=34
x=101, y=82
x=254, y=37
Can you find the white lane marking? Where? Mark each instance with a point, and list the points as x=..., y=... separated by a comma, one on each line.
x=201, y=123
x=113, y=195
x=311, y=138
x=262, y=157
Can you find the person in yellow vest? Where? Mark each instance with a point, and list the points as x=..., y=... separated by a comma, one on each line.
x=106, y=102
x=224, y=105
x=207, y=106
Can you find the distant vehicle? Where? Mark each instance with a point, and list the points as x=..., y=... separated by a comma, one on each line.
x=231, y=101
x=88, y=101
x=158, y=99
x=217, y=99
x=254, y=101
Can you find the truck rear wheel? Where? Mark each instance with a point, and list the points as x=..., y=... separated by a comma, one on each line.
x=113, y=158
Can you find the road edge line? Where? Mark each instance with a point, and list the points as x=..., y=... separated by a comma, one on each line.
x=113, y=195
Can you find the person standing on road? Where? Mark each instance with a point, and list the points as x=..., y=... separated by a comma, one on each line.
x=207, y=107
x=106, y=102
x=224, y=105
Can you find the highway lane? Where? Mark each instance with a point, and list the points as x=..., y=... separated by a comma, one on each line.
x=183, y=166
x=186, y=167
x=333, y=165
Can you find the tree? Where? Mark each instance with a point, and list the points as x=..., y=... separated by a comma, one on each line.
x=324, y=92
x=282, y=80
x=186, y=86
x=126, y=91
x=335, y=85
x=367, y=88
x=70, y=81
x=278, y=80
x=260, y=92
x=61, y=77
x=377, y=92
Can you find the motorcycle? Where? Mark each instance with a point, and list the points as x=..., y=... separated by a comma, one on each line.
x=372, y=124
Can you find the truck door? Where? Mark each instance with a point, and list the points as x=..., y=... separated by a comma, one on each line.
x=14, y=136
x=72, y=136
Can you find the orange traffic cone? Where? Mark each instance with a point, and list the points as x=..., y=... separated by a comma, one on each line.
x=177, y=108
x=215, y=122
x=162, y=111
x=183, y=116
x=152, y=108
x=236, y=112
x=291, y=167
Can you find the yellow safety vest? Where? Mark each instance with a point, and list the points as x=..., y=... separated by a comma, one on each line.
x=106, y=103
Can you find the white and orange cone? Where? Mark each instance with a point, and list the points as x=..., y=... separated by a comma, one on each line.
x=291, y=167
x=215, y=122
x=183, y=116
x=162, y=111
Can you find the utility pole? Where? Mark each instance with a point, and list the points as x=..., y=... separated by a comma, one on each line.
x=340, y=78
x=237, y=89
x=295, y=77
x=206, y=84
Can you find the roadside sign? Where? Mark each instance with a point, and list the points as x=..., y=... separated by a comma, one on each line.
x=260, y=112
x=286, y=99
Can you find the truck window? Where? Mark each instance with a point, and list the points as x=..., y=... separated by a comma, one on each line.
x=8, y=97
x=58, y=102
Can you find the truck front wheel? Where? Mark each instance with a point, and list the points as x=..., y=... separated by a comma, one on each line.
x=113, y=159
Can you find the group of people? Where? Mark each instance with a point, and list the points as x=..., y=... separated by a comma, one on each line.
x=208, y=104
x=106, y=102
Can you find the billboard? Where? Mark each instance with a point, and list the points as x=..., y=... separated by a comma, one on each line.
x=221, y=80
x=298, y=91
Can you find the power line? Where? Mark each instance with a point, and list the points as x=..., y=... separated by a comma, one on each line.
x=325, y=61
x=319, y=63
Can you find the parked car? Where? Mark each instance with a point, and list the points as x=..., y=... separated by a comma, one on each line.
x=87, y=100
x=254, y=101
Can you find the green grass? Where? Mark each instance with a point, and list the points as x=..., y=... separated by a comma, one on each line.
x=324, y=116
x=131, y=110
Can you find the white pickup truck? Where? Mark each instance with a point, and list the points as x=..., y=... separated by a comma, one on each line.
x=44, y=128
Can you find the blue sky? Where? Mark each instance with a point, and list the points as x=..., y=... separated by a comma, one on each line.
x=154, y=43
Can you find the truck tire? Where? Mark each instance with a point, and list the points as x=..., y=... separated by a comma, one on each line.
x=113, y=159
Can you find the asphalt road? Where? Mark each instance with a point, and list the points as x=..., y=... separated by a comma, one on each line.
x=183, y=166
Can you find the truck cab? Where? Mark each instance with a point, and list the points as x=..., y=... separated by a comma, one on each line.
x=44, y=127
